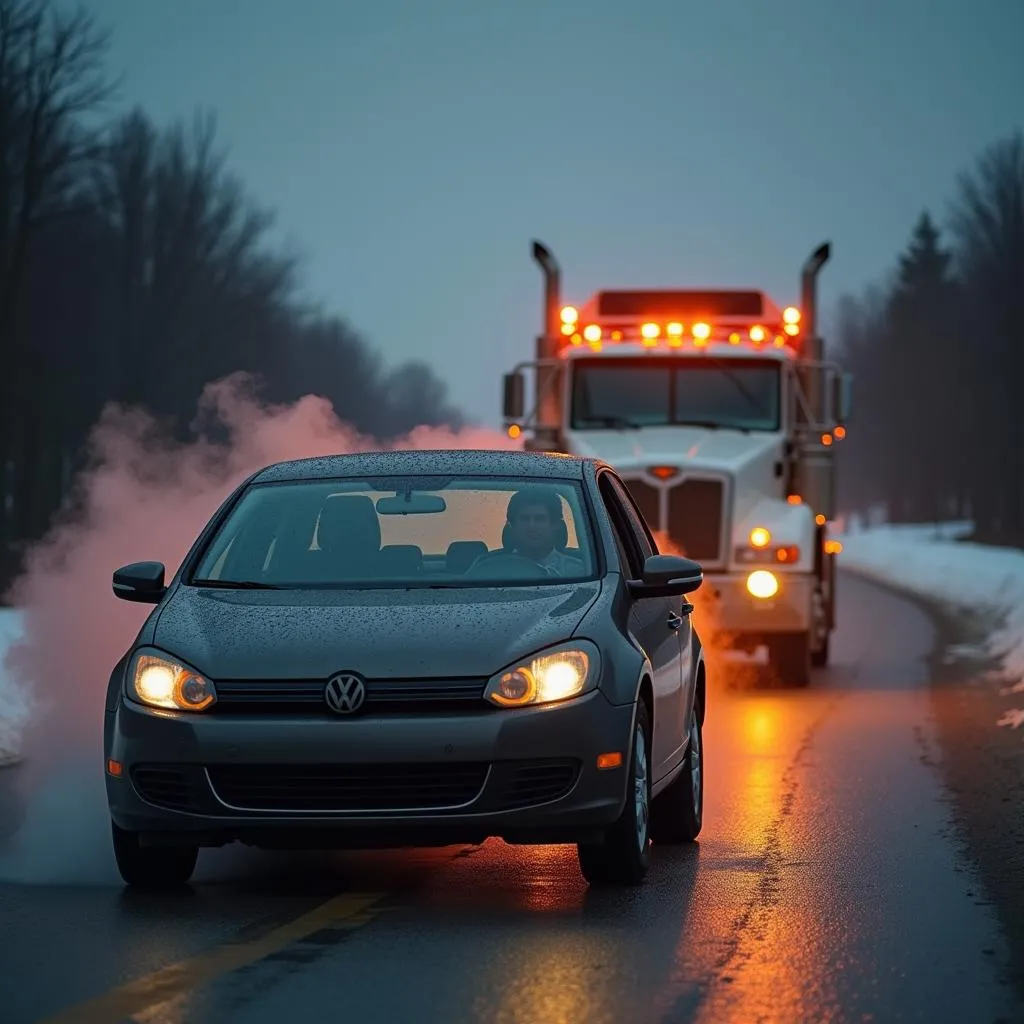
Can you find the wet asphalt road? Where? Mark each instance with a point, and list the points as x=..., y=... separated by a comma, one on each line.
x=825, y=887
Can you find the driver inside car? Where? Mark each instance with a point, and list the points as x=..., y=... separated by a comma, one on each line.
x=536, y=530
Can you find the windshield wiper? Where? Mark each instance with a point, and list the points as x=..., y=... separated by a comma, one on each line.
x=236, y=585
x=616, y=422
x=709, y=424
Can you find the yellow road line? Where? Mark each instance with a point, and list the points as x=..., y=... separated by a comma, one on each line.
x=349, y=909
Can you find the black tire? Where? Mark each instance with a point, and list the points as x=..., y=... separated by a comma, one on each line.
x=625, y=855
x=819, y=658
x=789, y=655
x=677, y=813
x=152, y=867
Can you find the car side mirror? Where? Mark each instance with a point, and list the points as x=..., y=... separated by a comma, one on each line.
x=668, y=576
x=142, y=582
x=515, y=396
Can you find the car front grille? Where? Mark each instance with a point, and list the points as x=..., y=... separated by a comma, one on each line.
x=695, y=518
x=383, y=696
x=326, y=788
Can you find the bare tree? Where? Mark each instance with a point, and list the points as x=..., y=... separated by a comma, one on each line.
x=988, y=224
x=51, y=76
x=417, y=398
x=136, y=263
x=193, y=268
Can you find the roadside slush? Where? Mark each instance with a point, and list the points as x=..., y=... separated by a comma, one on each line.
x=982, y=765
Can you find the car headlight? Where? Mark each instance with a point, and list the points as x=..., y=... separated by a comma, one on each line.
x=160, y=681
x=555, y=675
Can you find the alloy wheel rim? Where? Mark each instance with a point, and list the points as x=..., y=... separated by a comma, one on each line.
x=696, y=772
x=640, y=788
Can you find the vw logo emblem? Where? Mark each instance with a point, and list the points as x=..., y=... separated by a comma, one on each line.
x=345, y=694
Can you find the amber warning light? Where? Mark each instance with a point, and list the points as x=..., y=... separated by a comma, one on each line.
x=701, y=332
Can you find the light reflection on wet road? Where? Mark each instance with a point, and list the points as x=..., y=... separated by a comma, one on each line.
x=825, y=887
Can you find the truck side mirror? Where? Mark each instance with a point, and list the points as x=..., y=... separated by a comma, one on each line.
x=514, y=396
x=842, y=398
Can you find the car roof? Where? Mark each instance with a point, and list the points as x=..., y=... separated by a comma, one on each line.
x=444, y=461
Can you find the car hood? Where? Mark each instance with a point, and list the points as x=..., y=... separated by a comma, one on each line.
x=231, y=634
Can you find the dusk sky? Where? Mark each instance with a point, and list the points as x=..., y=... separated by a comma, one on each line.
x=413, y=148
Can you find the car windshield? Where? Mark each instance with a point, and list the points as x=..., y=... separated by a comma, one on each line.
x=402, y=532
x=621, y=393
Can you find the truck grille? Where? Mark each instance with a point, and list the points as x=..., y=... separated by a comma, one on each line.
x=695, y=518
x=647, y=500
x=695, y=515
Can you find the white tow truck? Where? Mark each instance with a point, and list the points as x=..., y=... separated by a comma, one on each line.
x=718, y=410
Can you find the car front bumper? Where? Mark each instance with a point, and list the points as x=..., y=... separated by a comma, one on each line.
x=526, y=775
x=738, y=611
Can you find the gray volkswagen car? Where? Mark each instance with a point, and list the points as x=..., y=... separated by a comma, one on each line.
x=407, y=649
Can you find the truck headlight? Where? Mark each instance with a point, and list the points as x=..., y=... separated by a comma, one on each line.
x=159, y=681
x=762, y=583
x=558, y=674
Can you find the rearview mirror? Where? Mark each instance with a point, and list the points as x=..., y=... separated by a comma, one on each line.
x=668, y=576
x=515, y=391
x=411, y=505
x=142, y=582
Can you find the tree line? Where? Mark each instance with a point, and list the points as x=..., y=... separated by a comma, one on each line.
x=135, y=268
x=938, y=353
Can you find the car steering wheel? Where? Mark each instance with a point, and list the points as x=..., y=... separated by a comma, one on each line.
x=513, y=558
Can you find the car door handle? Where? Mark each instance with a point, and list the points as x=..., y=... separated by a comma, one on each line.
x=674, y=621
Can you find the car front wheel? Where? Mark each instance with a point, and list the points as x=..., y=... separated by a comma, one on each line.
x=678, y=812
x=625, y=855
x=152, y=867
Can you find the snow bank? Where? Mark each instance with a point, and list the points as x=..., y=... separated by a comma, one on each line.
x=13, y=702
x=967, y=578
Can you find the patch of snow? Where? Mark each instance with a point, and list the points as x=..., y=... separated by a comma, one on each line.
x=1012, y=718
x=970, y=579
x=14, y=704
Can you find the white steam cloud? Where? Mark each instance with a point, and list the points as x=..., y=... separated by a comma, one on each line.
x=146, y=497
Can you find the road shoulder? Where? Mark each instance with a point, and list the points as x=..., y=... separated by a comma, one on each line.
x=982, y=767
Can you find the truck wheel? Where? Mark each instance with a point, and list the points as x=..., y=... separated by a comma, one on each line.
x=790, y=656
x=821, y=624
x=819, y=658
x=625, y=855
x=152, y=867
x=678, y=812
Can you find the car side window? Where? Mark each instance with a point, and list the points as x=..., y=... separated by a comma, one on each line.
x=638, y=527
x=629, y=552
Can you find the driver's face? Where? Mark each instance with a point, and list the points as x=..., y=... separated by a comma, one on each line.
x=533, y=531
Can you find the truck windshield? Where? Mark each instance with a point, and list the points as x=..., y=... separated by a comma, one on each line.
x=655, y=392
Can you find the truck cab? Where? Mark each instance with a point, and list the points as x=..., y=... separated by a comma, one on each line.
x=712, y=407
